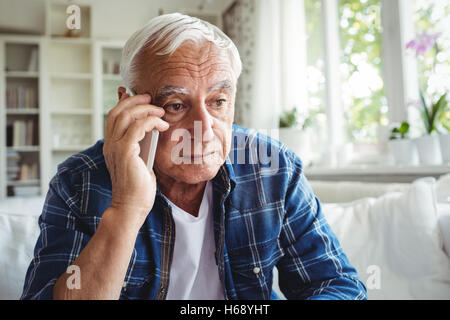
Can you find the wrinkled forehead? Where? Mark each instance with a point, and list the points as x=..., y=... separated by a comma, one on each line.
x=198, y=61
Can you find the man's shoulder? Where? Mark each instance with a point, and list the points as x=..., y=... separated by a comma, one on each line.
x=87, y=160
x=251, y=149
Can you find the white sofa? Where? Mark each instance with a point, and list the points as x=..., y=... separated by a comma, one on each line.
x=396, y=235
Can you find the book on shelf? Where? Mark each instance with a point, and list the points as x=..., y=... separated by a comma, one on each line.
x=21, y=133
x=12, y=167
x=33, y=63
x=9, y=135
x=28, y=172
x=12, y=155
x=21, y=98
x=26, y=191
x=13, y=172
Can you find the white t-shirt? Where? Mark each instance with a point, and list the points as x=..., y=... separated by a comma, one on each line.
x=194, y=274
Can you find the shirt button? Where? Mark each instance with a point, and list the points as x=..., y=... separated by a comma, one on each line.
x=124, y=284
x=256, y=270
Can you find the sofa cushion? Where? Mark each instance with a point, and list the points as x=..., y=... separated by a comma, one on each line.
x=397, y=238
x=347, y=191
x=443, y=189
x=18, y=235
x=19, y=231
x=31, y=206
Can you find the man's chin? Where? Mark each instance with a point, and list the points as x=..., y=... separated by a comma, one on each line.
x=196, y=173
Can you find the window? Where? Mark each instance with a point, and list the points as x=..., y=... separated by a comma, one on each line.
x=432, y=22
x=315, y=76
x=432, y=49
x=364, y=62
x=364, y=100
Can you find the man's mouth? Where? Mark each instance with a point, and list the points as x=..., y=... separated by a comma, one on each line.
x=199, y=156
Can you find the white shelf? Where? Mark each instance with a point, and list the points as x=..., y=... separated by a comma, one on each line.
x=72, y=111
x=20, y=183
x=25, y=148
x=29, y=111
x=22, y=74
x=71, y=76
x=75, y=40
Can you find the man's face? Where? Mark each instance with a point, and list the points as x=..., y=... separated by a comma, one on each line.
x=195, y=85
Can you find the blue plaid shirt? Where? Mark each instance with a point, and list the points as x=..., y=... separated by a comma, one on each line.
x=265, y=216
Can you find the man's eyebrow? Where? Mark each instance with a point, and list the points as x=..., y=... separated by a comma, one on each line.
x=224, y=84
x=167, y=91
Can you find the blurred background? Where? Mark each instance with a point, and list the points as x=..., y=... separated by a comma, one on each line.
x=356, y=87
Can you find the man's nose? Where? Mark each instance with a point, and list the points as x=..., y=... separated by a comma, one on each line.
x=204, y=123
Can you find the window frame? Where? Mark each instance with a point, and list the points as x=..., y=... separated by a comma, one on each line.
x=399, y=71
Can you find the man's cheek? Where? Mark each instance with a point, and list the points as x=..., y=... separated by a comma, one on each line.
x=164, y=148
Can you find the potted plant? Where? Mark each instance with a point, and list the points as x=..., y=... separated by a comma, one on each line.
x=428, y=145
x=402, y=149
x=295, y=133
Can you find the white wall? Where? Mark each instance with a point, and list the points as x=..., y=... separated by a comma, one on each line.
x=114, y=19
x=22, y=15
x=109, y=16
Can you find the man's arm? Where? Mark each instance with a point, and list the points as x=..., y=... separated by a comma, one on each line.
x=103, y=262
x=100, y=259
x=314, y=265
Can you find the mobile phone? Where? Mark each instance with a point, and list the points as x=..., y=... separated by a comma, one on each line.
x=148, y=144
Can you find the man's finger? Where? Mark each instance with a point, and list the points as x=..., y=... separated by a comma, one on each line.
x=125, y=101
x=130, y=115
x=136, y=132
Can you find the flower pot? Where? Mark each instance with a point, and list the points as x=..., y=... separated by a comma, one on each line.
x=429, y=150
x=297, y=141
x=403, y=151
x=444, y=140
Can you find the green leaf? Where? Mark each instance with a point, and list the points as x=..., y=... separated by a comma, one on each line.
x=400, y=132
x=404, y=128
x=444, y=119
x=425, y=115
x=288, y=119
x=436, y=109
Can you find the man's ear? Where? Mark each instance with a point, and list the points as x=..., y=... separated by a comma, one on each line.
x=121, y=91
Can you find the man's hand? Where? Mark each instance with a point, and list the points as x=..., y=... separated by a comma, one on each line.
x=133, y=185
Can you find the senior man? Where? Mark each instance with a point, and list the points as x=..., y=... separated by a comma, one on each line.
x=205, y=227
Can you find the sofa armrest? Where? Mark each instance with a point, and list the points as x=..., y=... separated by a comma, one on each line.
x=444, y=225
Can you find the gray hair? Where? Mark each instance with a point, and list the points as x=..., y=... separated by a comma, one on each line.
x=168, y=32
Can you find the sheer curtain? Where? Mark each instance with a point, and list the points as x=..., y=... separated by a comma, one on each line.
x=271, y=40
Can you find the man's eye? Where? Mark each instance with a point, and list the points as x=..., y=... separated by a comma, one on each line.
x=174, y=107
x=220, y=102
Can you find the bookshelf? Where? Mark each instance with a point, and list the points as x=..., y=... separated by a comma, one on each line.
x=69, y=79
x=20, y=116
x=108, y=54
x=65, y=110
x=67, y=82
x=55, y=92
